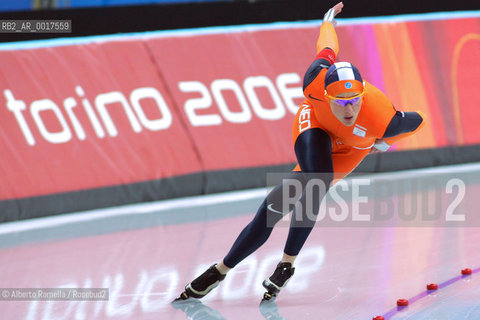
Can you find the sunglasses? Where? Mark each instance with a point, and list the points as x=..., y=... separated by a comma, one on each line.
x=344, y=101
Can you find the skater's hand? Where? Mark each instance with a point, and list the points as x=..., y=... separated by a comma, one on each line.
x=379, y=146
x=338, y=8
x=332, y=13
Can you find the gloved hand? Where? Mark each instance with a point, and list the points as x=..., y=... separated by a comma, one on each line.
x=380, y=146
x=332, y=12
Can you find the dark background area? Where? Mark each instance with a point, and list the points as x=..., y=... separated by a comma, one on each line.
x=109, y=20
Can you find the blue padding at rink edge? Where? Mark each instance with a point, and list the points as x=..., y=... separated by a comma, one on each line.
x=112, y=3
x=20, y=45
x=15, y=5
x=26, y=5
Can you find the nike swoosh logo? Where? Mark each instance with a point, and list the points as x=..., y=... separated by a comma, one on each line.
x=310, y=96
x=269, y=207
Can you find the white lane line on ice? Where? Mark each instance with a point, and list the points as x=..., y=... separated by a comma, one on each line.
x=197, y=201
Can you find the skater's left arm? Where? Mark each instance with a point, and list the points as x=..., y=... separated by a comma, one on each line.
x=402, y=125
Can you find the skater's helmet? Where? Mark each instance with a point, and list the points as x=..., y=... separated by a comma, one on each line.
x=343, y=77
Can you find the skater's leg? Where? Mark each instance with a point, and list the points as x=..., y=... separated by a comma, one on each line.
x=259, y=229
x=302, y=222
x=288, y=258
x=304, y=218
x=252, y=237
x=256, y=232
x=298, y=233
x=222, y=268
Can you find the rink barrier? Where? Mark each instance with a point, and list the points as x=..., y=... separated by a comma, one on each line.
x=215, y=181
x=90, y=123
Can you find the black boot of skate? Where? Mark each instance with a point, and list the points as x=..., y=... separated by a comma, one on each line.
x=203, y=284
x=277, y=280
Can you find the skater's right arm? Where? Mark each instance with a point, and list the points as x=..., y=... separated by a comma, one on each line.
x=313, y=147
x=327, y=50
x=328, y=37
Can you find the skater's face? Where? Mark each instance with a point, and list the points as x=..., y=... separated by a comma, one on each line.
x=346, y=111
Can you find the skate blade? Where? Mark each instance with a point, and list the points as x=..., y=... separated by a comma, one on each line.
x=183, y=296
x=269, y=296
